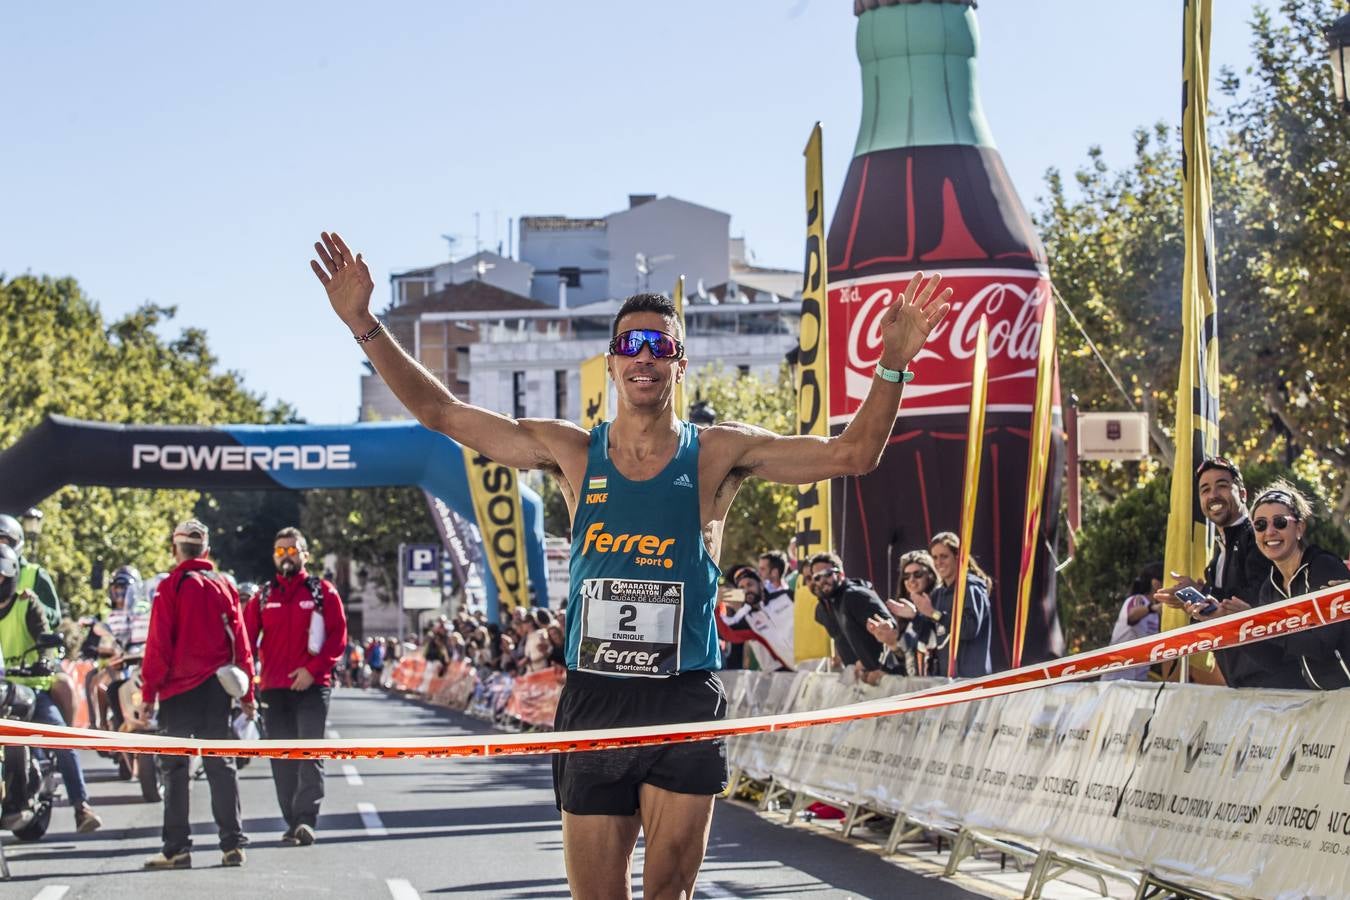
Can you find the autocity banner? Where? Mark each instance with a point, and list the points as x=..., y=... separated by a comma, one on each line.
x=1236, y=792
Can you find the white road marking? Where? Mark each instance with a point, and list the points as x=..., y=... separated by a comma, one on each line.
x=57, y=891
x=349, y=772
x=333, y=734
x=371, y=819
x=714, y=890
x=401, y=889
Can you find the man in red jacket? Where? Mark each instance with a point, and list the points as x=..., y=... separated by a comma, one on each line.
x=196, y=627
x=298, y=654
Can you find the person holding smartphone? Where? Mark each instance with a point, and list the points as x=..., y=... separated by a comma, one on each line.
x=1233, y=577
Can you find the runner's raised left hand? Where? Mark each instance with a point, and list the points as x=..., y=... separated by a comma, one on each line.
x=909, y=320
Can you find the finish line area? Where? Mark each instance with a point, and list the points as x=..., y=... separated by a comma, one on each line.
x=419, y=828
x=1220, y=791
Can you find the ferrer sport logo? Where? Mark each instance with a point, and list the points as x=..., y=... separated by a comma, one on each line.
x=647, y=549
x=234, y=458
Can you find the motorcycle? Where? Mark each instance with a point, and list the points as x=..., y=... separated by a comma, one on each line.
x=124, y=710
x=29, y=778
x=119, y=708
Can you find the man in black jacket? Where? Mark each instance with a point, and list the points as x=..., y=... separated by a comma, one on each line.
x=1234, y=575
x=845, y=604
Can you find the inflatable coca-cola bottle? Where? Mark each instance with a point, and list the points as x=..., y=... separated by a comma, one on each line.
x=927, y=191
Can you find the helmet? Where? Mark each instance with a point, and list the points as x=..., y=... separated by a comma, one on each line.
x=9, y=562
x=129, y=578
x=10, y=528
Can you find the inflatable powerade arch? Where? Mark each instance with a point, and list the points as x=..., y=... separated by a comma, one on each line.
x=64, y=451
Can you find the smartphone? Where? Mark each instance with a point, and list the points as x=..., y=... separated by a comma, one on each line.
x=1189, y=594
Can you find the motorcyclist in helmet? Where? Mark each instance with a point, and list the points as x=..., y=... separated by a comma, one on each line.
x=21, y=621
x=35, y=578
x=32, y=577
x=118, y=633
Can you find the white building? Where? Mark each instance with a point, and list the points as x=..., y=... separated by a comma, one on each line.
x=499, y=271
x=510, y=334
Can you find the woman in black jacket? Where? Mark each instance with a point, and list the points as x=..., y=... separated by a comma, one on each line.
x=1281, y=516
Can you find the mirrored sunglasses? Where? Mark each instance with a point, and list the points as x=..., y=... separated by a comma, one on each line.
x=1280, y=522
x=631, y=342
x=822, y=575
x=283, y=552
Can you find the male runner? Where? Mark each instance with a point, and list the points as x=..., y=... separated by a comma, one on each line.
x=648, y=495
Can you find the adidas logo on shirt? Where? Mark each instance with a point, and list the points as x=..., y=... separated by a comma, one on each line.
x=684, y=481
x=672, y=591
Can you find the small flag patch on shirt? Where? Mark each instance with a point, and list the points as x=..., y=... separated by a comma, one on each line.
x=596, y=483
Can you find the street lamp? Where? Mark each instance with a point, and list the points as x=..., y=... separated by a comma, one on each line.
x=1338, y=47
x=32, y=528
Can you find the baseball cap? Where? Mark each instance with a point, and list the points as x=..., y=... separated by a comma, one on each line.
x=192, y=531
x=743, y=572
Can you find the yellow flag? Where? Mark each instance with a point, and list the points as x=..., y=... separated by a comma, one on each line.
x=678, y=296
x=810, y=640
x=496, y=504
x=1197, y=425
x=979, y=388
x=1038, y=460
x=594, y=392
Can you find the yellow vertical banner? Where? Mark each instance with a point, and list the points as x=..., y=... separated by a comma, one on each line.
x=970, y=492
x=496, y=504
x=1038, y=461
x=1197, y=423
x=681, y=411
x=810, y=640
x=594, y=391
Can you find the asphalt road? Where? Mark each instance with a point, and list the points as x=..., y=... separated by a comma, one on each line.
x=405, y=829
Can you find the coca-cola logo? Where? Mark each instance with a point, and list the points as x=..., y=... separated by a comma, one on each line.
x=1013, y=304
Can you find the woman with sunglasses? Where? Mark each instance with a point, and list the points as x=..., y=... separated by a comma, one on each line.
x=909, y=653
x=1281, y=517
x=648, y=494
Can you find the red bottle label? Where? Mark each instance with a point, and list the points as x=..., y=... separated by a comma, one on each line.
x=1011, y=300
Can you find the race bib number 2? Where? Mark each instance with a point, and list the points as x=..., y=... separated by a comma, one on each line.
x=631, y=627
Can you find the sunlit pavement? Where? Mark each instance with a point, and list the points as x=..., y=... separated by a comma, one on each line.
x=416, y=828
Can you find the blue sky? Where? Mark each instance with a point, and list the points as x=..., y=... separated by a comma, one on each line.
x=188, y=154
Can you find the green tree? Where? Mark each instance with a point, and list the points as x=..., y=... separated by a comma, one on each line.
x=366, y=526
x=61, y=357
x=244, y=525
x=1281, y=166
x=763, y=515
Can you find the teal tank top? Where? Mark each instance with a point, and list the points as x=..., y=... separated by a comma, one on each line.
x=643, y=587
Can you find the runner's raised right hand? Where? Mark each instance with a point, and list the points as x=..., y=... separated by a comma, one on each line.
x=346, y=278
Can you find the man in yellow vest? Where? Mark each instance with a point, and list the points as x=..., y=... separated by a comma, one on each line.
x=21, y=622
x=33, y=577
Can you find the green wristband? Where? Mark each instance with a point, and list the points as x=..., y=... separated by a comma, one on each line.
x=894, y=376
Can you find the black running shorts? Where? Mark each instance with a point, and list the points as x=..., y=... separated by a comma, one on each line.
x=605, y=782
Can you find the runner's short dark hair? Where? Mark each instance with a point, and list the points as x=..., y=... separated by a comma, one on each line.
x=654, y=303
